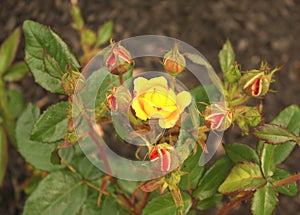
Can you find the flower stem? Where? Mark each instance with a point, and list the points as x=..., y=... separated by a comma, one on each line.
x=239, y=100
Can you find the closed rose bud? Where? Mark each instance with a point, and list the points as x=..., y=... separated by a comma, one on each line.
x=174, y=62
x=118, y=59
x=72, y=81
x=162, y=151
x=217, y=117
x=111, y=100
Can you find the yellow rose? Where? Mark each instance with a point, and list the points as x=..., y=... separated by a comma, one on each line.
x=155, y=99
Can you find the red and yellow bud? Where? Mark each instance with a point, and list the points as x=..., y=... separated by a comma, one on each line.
x=174, y=62
x=118, y=59
x=217, y=117
x=256, y=83
x=72, y=80
x=162, y=151
x=111, y=101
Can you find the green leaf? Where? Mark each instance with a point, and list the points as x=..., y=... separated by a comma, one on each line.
x=274, y=134
x=16, y=72
x=200, y=95
x=267, y=160
x=290, y=118
x=34, y=153
x=88, y=37
x=8, y=50
x=290, y=189
x=77, y=17
x=3, y=155
x=243, y=177
x=128, y=186
x=34, y=181
x=210, y=202
x=226, y=57
x=90, y=207
x=164, y=205
x=193, y=170
x=52, y=124
x=197, y=59
x=41, y=45
x=88, y=170
x=104, y=33
x=264, y=201
x=15, y=102
x=61, y=192
x=241, y=153
x=212, y=179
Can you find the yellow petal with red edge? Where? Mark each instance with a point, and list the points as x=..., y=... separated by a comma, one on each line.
x=183, y=99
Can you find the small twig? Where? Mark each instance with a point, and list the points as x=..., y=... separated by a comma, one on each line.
x=288, y=180
x=141, y=204
x=236, y=201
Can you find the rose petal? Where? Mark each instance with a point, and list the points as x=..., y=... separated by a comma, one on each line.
x=183, y=99
x=139, y=85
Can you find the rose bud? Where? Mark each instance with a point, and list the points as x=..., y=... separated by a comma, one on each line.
x=256, y=83
x=118, y=59
x=217, y=117
x=111, y=101
x=174, y=62
x=72, y=81
x=162, y=151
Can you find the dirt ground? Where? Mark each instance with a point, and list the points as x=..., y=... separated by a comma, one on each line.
x=259, y=30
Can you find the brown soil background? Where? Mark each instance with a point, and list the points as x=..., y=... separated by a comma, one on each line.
x=259, y=30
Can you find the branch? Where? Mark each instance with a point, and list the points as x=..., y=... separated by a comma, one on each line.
x=288, y=180
x=233, y=203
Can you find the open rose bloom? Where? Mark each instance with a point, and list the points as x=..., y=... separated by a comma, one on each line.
x=155, y=99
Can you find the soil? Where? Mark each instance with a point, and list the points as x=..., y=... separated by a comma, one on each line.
x=259, y=30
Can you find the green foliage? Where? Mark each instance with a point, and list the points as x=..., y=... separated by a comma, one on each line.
x=35, y=153
x=3, y=154
x=226, y=57
x=61, y=192
x=104, y=33
x=193, y=171
x=264, y=200
x=290, y=189
x=274, y=134
x=44, y=49
x=165, y=205
x=243, y=177
x=11, y=101
x=212, y=178
x=241, y=153
x=51, y=126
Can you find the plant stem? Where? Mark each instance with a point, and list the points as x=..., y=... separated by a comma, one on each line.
x=121, y=79
x=288, y=180
x=239, y=100
x=236, y=201
x=141, y=204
